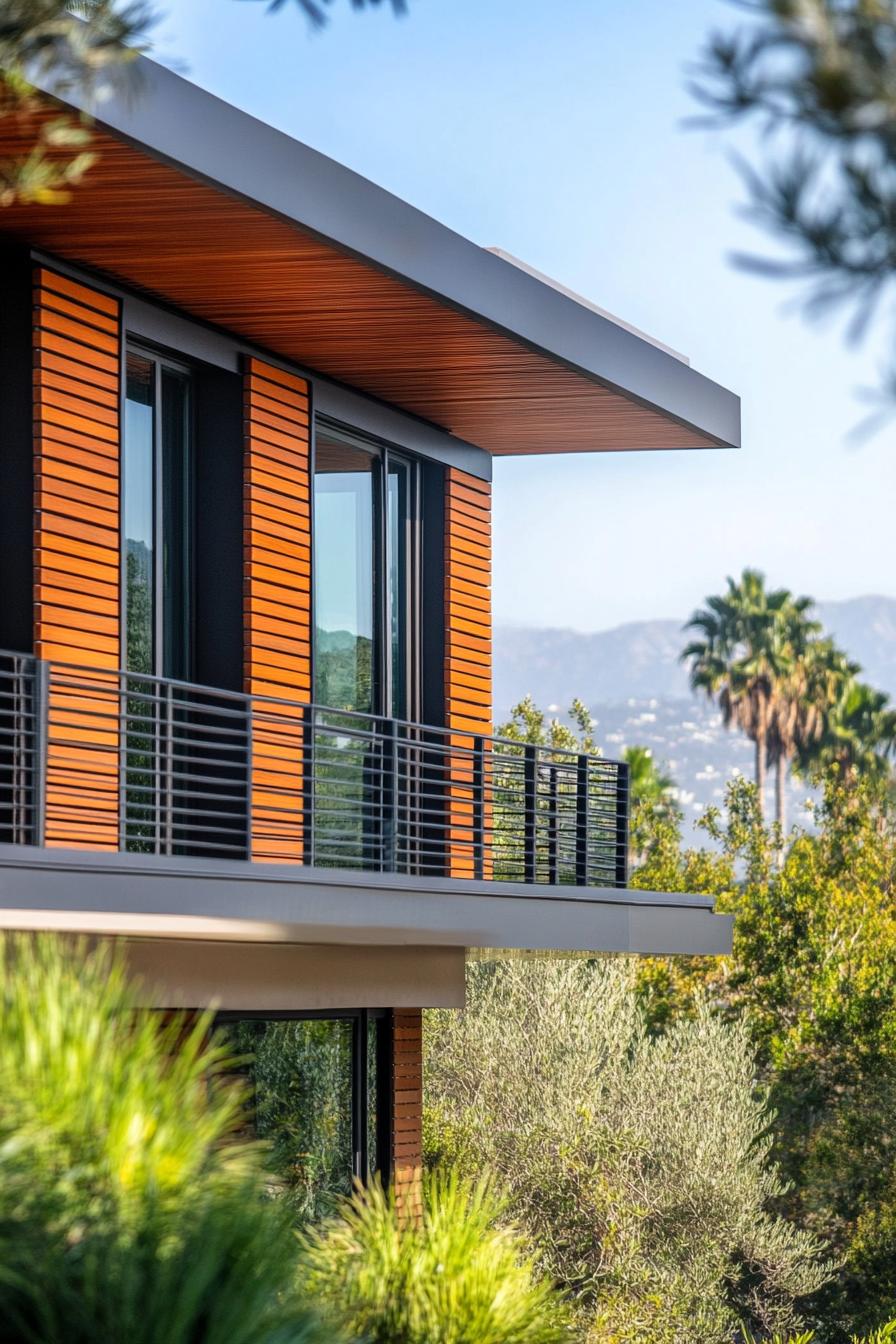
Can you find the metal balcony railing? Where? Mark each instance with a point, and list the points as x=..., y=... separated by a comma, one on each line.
x=110, y=760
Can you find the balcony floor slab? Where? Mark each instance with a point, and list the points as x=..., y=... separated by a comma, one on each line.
x=136, y=895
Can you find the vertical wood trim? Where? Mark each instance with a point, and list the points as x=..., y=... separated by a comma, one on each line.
x=468, y=647
x=407, y=1108
x=277, y=599
x=77, y=549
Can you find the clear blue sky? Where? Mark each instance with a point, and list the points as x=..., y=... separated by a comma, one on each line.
x=555, y=131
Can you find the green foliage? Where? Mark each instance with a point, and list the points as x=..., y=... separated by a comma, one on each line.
x=813, y=978
x=649, y=785
x=637, y=1165
x=459, y=1276
x=529, y=724
x=747, y=657
x=82, y=48
x=788, y=687
x=819, y=79
x=857, y=734
x=300, y=1074
x=882, y=1336
x=343, y=673
x=128, y=1210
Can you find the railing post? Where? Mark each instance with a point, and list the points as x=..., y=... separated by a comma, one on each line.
x=41, y=749
x=622, y=783
x=308, y=785
x=530, y=813
x=167, y=828
x=553, y=864
x=478, y=807
x=390, y=798
x=250, y=774
x=582, y=821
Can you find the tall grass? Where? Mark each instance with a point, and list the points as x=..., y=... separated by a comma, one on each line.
x=129, y=1211
x=455, y=1277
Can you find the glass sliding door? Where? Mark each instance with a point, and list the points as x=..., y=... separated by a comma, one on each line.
x=345, y=558
x=365, y=577
x=157, y=502
x=157, y=505
x=365, y=644
x=313, y=1098
x=139, y=514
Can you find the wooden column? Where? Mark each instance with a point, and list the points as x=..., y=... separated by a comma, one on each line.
x=468, y=652
x=77, y=551
x=277, y=601
x=407, y=1107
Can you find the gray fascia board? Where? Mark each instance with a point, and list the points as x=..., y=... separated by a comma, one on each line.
x=179, y=122
x=133, y=895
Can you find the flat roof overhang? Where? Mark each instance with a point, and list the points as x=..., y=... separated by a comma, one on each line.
x=199, y=205
x=217, y=900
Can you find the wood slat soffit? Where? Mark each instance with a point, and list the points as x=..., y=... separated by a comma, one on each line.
x=167, y=234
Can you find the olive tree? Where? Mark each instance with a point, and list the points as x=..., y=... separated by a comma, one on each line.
x=638, y=1165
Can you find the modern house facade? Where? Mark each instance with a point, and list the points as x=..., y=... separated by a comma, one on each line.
x=249, y=405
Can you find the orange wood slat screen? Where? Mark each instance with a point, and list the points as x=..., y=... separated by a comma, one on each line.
x=277, y=596
x=468, y=648
x=407, y=1108
x=77, y=552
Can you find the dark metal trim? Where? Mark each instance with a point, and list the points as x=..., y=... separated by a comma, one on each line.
x=359, y=1096
x=182, y=124
x=385, y=1109
x=348, y=410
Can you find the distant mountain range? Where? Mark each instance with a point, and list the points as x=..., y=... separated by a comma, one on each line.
x=634, y=685
x=639, y=660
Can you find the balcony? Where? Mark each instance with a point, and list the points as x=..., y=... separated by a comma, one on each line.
x=109, y=760
x=149, y=808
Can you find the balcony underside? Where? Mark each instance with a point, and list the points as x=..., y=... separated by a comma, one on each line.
x=195, y=203
x=221, y=900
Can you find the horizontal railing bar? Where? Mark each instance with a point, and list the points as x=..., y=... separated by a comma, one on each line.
x=175, y=767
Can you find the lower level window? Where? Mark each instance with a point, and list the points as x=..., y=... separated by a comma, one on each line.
x=315, y=1099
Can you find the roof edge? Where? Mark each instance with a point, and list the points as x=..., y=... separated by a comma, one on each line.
x=177, y=121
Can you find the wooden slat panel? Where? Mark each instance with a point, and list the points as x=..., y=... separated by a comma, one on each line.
x=468, y=637
x=407, y=1109
x=77, y=548
x=277, y=598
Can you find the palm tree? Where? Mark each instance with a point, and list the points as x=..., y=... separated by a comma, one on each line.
x=647, y=782
x=745, y=656
x=857, y=733
x=815, y=670
x=825, y=673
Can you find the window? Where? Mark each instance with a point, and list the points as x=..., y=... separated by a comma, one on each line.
x=157, y=505
x=314, y=1099
x=366, y=577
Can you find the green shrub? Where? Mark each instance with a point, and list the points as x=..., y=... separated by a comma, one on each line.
x=885, y=1335
x=128, y=1210
x=455, y=1277
x=637, y=1166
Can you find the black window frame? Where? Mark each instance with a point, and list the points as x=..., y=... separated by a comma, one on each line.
x=382, y=454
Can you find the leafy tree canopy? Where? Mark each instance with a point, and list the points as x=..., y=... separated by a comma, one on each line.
x=818, y=78
x=813, y=977
x=85, y=47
